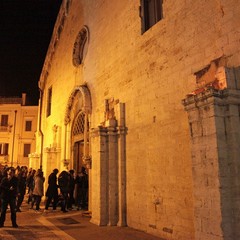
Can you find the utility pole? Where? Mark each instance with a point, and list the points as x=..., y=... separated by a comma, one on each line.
x=13, y=136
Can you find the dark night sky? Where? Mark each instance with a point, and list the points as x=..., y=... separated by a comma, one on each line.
x=25, y=31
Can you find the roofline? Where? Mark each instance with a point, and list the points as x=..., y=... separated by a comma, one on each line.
x=58, y=27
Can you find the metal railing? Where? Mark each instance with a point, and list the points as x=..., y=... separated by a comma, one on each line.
x=4, y=128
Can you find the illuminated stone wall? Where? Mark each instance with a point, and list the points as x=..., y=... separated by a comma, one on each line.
x=150, y=73
x=214, y=124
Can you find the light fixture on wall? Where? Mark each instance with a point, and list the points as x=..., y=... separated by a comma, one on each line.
x=87, y=160
x=66, y=162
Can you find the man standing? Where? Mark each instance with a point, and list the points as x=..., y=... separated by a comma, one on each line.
x=71, y=189
x=63, y=182
x=82, y=189
x=52, y=190
x=21, y=176
x=8, y=187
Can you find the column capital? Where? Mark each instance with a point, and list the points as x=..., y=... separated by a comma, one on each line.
x=209, y=96
x=122, y=130
x=98, y=131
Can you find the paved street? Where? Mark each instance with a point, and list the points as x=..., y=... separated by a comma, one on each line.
x=57, y=225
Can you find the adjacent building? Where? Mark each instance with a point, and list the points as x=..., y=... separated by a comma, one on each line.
x=18, y=127
x=146, y=95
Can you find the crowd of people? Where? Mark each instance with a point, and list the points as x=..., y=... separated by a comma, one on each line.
x=66, y=190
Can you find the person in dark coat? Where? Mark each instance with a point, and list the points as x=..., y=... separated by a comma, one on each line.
x=63, y=182
x=82, y=189
x=21, y=188
x=8, y=188
x=30, y=184
x=71, y=189
x=3, y=173
x=52, y=190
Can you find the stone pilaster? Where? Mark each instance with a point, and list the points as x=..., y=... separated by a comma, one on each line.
x=99, y=173
x=215, y=137
x=108, y=151
x=122, y=221
x=205, y=164
x=112, y=174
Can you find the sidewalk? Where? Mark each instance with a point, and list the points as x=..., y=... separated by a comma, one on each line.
x=65, y=226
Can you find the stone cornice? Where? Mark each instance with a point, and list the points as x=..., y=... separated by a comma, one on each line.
x=202, y=96
x=212, y=96
x=58, y=27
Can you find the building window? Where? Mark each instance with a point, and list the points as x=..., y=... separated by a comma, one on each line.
x=79, y=124
x=4, y=123
x=80, y=46
x=4, y=120
x=49, y=102
x=28, y=126
x=26, y=149
x=151, y=12
x=3, y=149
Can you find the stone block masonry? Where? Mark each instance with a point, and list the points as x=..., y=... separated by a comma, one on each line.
x=166, y=171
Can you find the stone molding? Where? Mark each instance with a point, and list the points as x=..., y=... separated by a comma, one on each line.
x=87, y=105
x=214, y=96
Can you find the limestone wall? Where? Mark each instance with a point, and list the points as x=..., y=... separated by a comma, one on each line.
x=151, y=74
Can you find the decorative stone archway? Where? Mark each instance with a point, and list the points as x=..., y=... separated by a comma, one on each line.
x=86, y=102
x=79, y=101
x=107, y=185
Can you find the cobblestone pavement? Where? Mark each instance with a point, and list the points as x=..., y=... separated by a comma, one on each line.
x=57, y=225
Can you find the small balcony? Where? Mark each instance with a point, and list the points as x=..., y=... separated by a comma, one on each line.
x=4, y=128
x=7, y=128
x=4, y=159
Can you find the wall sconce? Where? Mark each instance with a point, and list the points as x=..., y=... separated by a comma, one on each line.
x=66, y=162
x=87, y=160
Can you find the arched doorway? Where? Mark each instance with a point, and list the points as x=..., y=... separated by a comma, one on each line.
x=77, y=128
x=77, y=148
x=80, y=140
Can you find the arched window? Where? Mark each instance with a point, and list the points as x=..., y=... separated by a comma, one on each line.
x=80, y=137
x=78, y=128
x=80, y=46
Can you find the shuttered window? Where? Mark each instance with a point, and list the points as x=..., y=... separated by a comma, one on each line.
x=4, y=149
x=28, y=126
x=151, y=12
x=4, y=120
x=26, y=149
x=49, y=102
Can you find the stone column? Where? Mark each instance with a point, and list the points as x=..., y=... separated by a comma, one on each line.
x=108, y=201
x=205, y=165
x=230, y=166
x=112, y=173
x=99, y=175
x=215, y=137
x=122, y=221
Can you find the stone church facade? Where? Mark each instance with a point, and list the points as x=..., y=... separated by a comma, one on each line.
x=146, y=95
